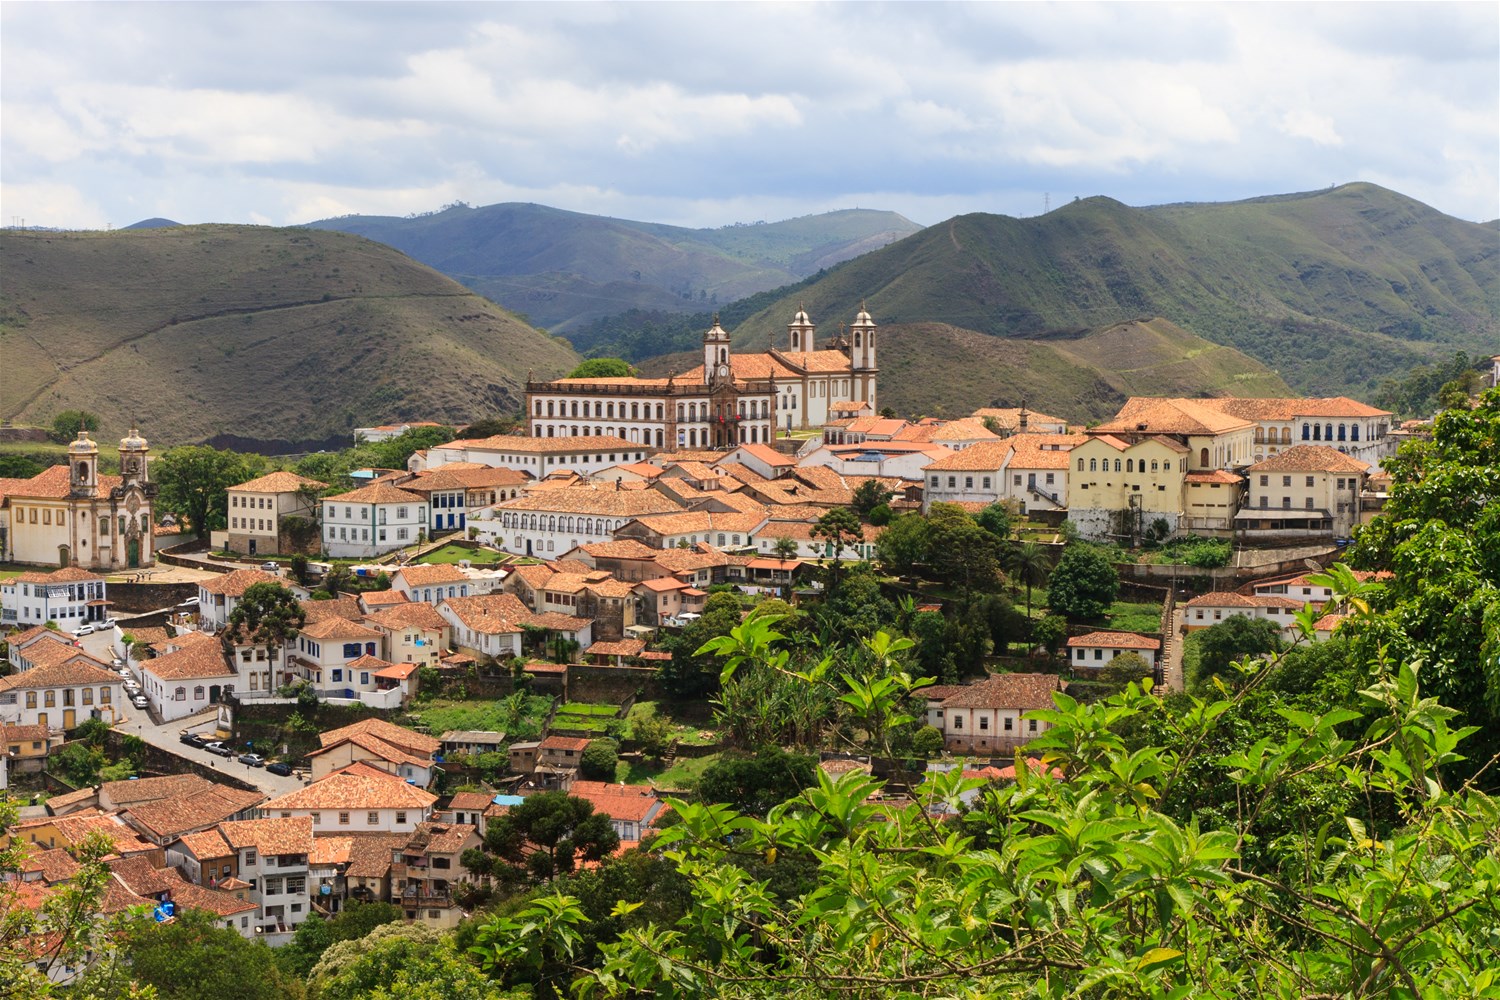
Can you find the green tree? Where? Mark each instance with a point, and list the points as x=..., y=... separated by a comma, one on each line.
x=401, y=962
x=314, y=935
x=870, y=494
x=1084, y=583
x=1030, y=564
x=1125, y=669
x=599, y=760
x=841, y=529
x=688, y=676
x=193, y=957
x=1211, y=652
x=753, y=784
x=904, y=544
x=784, y=548
x=193, y=481
x=492, y=427
x=18, y=467
x=1051, y=632
x=267, y=615
x=927, y=742
x=79, y=763
x=67, y=424
x=995, y=519
x=549, y=834
x=962, y=553
x=602, y=368
x=653, y=732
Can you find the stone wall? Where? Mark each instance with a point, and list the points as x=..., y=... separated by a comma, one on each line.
x=131, y=597
x=158, y=761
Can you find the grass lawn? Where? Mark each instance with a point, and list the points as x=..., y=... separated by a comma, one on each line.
x=685, y=731
x=442, y=714
x=1133, y=616
x=682, y=775
x=451, y=554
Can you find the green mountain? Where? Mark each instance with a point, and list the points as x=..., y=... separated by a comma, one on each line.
x=1333, y=290
x=565, y=268
x=269, y=337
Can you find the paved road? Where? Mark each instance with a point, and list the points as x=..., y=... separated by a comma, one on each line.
x=167, y=736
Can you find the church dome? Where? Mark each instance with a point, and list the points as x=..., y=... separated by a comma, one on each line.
x=133, y=441
x=83, y=446
x=864, y=318
x=802, y=319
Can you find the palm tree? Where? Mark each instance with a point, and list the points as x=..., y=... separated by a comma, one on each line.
x=1029, y=563
x=785, y=548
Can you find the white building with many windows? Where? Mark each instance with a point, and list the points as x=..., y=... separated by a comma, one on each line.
x=551, y=522
x=372, y=521
x=70, y=597
x=728, y=400
x=535, y=456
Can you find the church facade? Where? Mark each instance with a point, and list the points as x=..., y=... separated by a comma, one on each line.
x=729, y=400
x=71, y=515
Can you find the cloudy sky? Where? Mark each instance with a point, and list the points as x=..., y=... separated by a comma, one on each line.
x=705, y=114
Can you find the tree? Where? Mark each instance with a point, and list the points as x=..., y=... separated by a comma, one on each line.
x=1210, y=652
x=401, y=962
x=784, y=548
x=1126, y=668
x=841, y=529
x=688, y=676
x=192, y=481
x=491, y=427
x=599, y=760
x=1029, y=563
x=548, y=834
x=193, y=957
x=267, y=615
x=80, y=763
x=962, y=553
x=1084, y=584
x=870, y=494
x=67, y=424
x=904, y=544
x=754, y=784
x=18, y=467
x=653, y=732
x=314, y=935
x=996, y=520
x=927, y=742
x=299, y=568
x=603, y=368
x=1050, y=632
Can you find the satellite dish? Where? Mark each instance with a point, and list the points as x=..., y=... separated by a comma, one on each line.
x=1313, y=565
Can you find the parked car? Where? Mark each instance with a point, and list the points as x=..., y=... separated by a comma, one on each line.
x=219, y=749
x=270, y=567
x=106, y=624
x=138, y=701
x=117, y=663
x=195, y=739
x=190, y=602
x=87, y=628
x=281, y=767
x=253, y=759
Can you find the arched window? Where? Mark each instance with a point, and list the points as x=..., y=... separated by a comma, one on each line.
x=1153, y=465
x=1354, y=432
x=658, y=411
x=1117, y=465
x=609, y=410
x=551, y=431
x=180, y=694
x=199, y=693
x=598, y=409
x=1203, y=458
x=1328, y=431
x=723, y=354
x=1341, y=432
x=680, y=412
x=1286, y=435
x=856, y=338
x=1306, y=435
x=635, y=411
x=539, y=407
x=1130, y=465
x=658, y=435
x=1093, y=465
x=693, y=439
x=549, y=408
x=1080, y=465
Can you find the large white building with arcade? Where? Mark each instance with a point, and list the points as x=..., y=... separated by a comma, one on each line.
x=728, y=400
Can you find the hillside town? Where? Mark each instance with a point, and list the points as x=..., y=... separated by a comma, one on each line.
x=556, y=573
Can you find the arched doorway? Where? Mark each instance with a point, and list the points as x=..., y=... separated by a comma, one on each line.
x=64, y=557
x=133, y=552
x=214, y=692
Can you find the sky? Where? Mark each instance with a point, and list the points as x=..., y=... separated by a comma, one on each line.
x=706, y=114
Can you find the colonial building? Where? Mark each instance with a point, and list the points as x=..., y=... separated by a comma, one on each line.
x=62, y=690
x=1305, y=491
x=72, y=515
x=258, y=508
x=372, y=520
x=728, y=400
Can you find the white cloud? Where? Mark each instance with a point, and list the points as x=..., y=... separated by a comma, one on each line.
x=691, y=112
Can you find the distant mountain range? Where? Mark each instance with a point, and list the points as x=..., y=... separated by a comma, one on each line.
x=280, y=339
x=1332, y=290
x=561, y=269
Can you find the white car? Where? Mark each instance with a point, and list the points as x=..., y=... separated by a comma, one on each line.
x=87, y=628
x=138, y=701
x=106, y=624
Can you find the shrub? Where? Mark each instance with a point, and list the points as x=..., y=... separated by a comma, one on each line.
x=600, y=758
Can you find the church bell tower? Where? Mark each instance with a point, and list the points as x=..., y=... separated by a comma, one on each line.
x=800, y=332
x=716, y=362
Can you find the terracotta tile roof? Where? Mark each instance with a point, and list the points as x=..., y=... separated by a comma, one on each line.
x=470, y=801
x=170, y=786
x=782, y=565
x=279, y=482
x=489, y=614
x=55, y=865
x=1329, y=622
x=558, y=622
x=289, y=835
x=1114, y=640
x=1310, y=458
x=1227, y=599
x=398, y=671
x=802, y=530
x=383, y=598
x=339, y=628
x=626, y=803
x=149, y=635
x=235, y=584
x=662, y=584
x=1022, y=692
x=407, y=739
x=1214, y=476
x=440, y=838
x=345, y=607
x=768, y=455
x=565, y=743
x=330, y=851
x=1010, y=416
x=76, y=669
x=68, y=574
x=701, y=521
x=368, y=662
x=418, y=614
x=1291, y=408
x=166, y=819
x=627, y=548
x=428, y=575
x=346, y=791
x=594, y=500
x=20, y=640
x=473, y=476
x=378, y=492
x=205, y=844
x=200, y=659
x=987, y=456
x=963, y=429
x=625, y=647
x=1171, y=416
x=370, y=854
x=54, y=483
